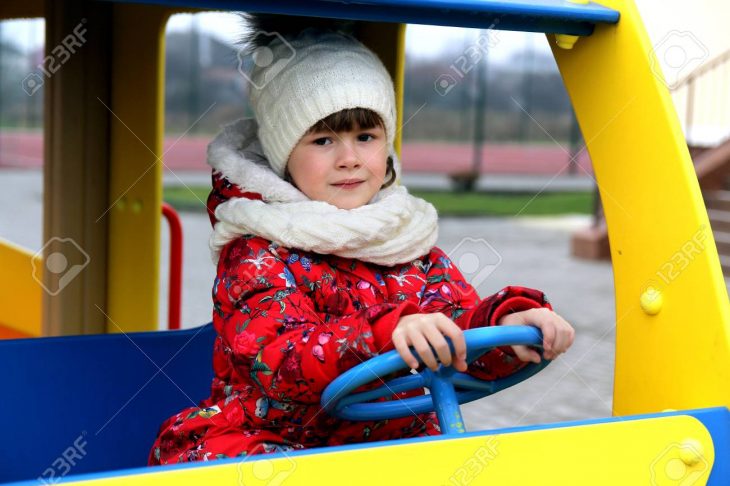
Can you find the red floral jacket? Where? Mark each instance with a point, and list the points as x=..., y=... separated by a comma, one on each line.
x=289, y=322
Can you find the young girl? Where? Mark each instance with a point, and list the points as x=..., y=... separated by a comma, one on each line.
x=325, y=261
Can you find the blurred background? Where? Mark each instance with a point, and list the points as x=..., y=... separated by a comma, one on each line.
x=201, y=70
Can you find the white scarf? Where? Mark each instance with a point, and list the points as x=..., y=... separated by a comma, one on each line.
x=395, y=227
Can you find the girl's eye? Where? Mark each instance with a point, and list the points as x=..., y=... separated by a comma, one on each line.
x=364, y=137
x=322, y=141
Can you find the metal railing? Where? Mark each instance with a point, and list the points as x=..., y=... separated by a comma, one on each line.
x=174, y=287
x=702, y=100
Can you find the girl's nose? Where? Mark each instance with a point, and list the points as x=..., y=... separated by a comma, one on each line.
x=348, y=156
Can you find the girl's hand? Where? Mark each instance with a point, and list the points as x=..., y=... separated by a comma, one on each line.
x=420, y=330
x=557, y=334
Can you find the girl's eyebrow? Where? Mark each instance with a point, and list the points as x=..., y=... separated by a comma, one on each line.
x=325, y=131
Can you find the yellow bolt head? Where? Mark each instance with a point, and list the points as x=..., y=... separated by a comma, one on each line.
x=566, y=41
x=691, y=452
x=652, y=301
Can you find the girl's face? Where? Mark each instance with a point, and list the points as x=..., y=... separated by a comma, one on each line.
x=345, y=169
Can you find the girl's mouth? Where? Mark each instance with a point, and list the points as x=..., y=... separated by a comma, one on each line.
x=348, y=185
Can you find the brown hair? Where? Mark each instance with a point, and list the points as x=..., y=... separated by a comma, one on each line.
x=345, y=121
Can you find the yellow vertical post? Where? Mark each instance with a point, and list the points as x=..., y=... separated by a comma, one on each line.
x=389, y=42
x=672, y=329
x=135, y=193
x=399, y=78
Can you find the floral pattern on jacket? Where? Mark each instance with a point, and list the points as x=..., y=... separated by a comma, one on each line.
x=289, y=322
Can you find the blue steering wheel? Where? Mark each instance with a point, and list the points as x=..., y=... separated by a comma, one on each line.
x=448, y=387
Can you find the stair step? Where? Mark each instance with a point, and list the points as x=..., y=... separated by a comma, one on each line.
x=722, y=240
x=725, y=264
x=719, y=220
x=717, y=200
x=720, y=223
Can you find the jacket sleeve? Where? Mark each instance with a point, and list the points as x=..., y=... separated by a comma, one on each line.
x=447, y=291
x=273, y=332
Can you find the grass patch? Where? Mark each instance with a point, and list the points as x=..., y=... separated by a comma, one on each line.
x=190, y=198
x=447, y=203
x=508, y=204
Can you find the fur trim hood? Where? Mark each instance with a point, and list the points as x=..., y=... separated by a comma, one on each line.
x=248, y=197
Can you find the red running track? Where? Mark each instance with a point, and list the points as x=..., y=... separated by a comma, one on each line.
x=25, y=150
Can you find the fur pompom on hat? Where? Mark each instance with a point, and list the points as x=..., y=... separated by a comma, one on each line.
x=300, y=77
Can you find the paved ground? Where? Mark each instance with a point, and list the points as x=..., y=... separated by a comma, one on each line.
x=529, y=251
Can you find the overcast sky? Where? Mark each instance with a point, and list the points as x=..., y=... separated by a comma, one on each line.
x=421, y=41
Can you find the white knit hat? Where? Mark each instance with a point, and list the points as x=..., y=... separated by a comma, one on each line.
x=309, y=78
